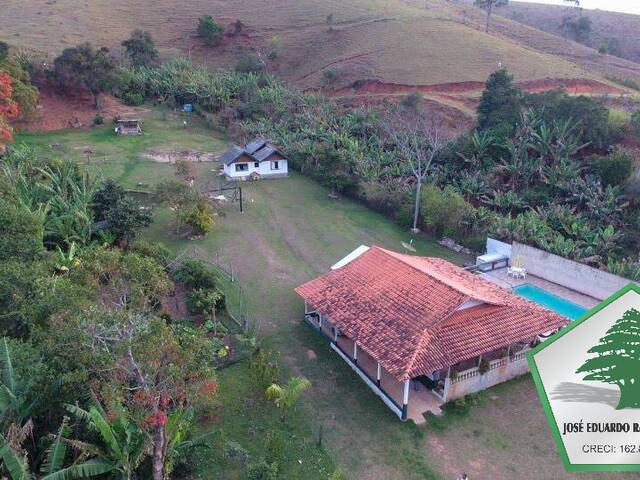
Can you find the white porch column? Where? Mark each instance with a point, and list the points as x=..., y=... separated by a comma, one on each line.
x=355, y=352
x=320, y=322
x=335, y=334
x=378, y=374
x=405, y=399
x=306, y=307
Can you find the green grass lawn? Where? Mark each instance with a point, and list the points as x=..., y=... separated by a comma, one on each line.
x=124, y=158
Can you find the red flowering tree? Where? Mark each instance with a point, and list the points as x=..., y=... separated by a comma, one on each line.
x=9, y=108
x=156, y=371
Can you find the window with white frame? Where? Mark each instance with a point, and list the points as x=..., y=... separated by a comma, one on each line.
x=275, y=165
x=242, y=167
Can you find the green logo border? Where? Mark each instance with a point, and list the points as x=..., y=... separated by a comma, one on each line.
x=584, y=467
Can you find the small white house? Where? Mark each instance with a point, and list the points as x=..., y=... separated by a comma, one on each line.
x=257, y=159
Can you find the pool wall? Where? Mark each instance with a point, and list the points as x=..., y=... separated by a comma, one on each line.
x=573, y=275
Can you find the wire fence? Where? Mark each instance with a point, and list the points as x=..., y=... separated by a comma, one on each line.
x=235, y=297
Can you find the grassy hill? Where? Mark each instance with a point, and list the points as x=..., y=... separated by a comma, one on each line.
x=514, y=28
x=621, y=26
x=389, y=40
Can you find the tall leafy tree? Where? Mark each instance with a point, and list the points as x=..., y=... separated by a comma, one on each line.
x=87, y=67
x=488, y=6
x=617, y=359
x=178, y=196
x=126, y=218
x=141, y=49
x=500, y=102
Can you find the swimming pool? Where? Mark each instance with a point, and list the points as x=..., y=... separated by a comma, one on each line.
x=552, y=302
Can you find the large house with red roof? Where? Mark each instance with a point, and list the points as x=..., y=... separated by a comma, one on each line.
x=422, y=331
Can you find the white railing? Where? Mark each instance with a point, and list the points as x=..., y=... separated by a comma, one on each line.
x=493, y=365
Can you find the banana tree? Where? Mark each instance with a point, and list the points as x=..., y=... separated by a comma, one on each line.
x=121, y=449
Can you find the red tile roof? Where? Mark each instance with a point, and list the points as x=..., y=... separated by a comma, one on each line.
x=416, y=315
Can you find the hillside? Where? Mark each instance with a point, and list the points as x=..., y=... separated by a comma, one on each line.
x=623, y=27
x=387, y=40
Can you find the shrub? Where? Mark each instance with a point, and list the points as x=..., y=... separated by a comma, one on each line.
x=156, y=250
x=329, y=75
x=249, y=63
x=613, y=169
x=634, y=123
x=204, y=300
x=276, y=446
x=200, y=219
x=210, y=31
x=141, y=49
x=98, y=119
x=591, y=118
x=412, y=100
x=262, y=470
x=265, y=369
x=446, y=212
x=133, y=98
x=4, y=50
x=195, y=274
x=618, y=123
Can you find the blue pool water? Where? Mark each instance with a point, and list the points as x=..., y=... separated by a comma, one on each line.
x=551, y=301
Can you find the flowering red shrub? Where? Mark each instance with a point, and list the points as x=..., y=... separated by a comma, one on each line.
x=9, y=108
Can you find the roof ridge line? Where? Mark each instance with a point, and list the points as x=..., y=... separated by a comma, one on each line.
x=437, y=278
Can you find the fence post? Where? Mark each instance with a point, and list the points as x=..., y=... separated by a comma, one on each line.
x=231, y=270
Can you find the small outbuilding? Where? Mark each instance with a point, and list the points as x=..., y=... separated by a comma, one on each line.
x=128, y=127
x=255, y=160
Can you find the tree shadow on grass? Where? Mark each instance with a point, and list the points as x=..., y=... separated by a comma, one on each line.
x=577, y=392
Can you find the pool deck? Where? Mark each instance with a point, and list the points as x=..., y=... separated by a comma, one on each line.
x=501, y=278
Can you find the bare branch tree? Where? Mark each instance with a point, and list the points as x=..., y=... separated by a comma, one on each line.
x=418, y=142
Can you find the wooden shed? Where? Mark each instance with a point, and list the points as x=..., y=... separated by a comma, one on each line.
x=128, y=126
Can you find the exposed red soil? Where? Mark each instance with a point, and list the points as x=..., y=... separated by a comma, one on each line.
x=450, y=119
x=377, y=87
x=462, y=94
x=56, y=112
x=572, y=86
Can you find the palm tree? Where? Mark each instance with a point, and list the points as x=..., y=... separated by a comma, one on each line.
x=286, y=397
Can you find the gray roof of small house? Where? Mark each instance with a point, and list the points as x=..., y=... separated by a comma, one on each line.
x=258, y=149
x=265, y=152
x=254, y=145
x=232, y=155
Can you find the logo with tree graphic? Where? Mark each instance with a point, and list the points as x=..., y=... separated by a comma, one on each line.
x=617, y=359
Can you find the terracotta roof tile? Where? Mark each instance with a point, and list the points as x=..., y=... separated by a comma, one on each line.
x=405, y=312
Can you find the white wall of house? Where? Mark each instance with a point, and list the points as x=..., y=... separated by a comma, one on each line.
x=267, y=168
